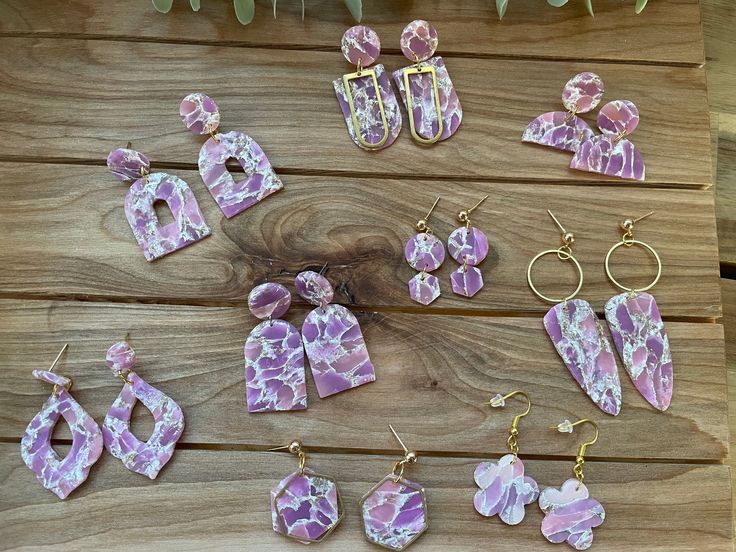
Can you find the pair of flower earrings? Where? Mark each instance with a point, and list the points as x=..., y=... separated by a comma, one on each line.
x=634, y=321
x=307, y=507
x=425, y=252
x=201, y=115
x=368, y=102
x=570, y=514
x=274, y=350
x=62, y=475
x=609, y=153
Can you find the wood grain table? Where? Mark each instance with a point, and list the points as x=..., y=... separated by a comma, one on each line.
x=81, y=78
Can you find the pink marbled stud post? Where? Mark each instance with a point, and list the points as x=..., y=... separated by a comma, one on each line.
x=611, y=153
x=360, y=45
x=199, y=113
x=269, y=300
x=565, y=130
x=127, y=164
x=419, y=40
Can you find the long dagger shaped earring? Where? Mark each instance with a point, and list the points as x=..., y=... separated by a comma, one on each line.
x=394, y=511
x=638, y=331
x=570, y=513
x=576, y=333
x=504, y=489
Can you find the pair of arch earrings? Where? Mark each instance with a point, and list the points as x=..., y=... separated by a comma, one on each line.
x=633, y=319
x=62, y=475
x=201, y=115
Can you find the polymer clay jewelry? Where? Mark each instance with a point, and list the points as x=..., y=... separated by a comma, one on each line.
x=155, y=240
x=565, y=130
x=394, y=511
x=201, y=116
x=145, y=458
x=332, y=339
x=305, y=505
x=611, y=153
x=576, y=333
x=60, y=475
x=366, y=98
x=424, y=252
x=468, y=246
x=429, y=96
x=569, y=512
x=274, y=355
x=504, y=489
x=638, y=331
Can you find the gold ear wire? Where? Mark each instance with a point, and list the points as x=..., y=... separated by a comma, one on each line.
x=295, y=447
x=464, y=216
x=410, y=457
x=56, y=360
x=499, y=401
x=567, y=427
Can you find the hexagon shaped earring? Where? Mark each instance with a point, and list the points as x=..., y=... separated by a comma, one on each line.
x=305, y=506
x=394, y=511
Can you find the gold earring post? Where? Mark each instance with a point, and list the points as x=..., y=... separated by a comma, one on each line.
x=410, y=457
x=295, y=447
x=56, y=360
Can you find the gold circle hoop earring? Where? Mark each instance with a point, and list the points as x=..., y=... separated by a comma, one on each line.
x=637, y=328
x=577, y=335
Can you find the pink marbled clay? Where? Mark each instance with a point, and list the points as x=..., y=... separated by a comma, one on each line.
x=418, y=41
x=468, y=246
x=60, y=475
x=394, y=513
x=360, y=45
x=504, y=489
x=314, y=288
x=269, y=300
x=199, y=113
x=575, y=331
x=424, y=252
x=612, y=153
x=305, y=507
x=466, y=281
x=565, y=130
x=259, y=182
x=145, y=458
x=570, y=514
x=641, y=340
x=126, y=164
x=424, y=288
x=424, y=110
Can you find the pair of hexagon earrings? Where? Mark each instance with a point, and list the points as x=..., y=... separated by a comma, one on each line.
x=369, y=104
x=306, y=506
x=425, y=252
x=200, y=115
x=609, y=153
x=505, y=490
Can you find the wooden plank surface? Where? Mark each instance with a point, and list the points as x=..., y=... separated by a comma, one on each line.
x=729, y=322
x=77, y=243
x=442, y=367
x=131, y=91
x=667, y=32
x=219, y=500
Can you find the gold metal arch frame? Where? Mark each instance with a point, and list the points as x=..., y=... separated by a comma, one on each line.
x=564, y=254
x=419, y=70
x=629, y=243
x=354, y=116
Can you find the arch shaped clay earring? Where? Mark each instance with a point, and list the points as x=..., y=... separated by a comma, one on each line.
x=565, y=130
x=145, y=458
x=274, y=354
x=60, y=475
x=155, y=240
x=200, y=114
x=429, y=96
x=611, y=153
x=366, y=98
x=504, y=489
x=576, y=333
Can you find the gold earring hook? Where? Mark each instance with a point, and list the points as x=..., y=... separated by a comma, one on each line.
x=295, y=447
x=464, y=216
x=423, y=225
x=567, y=427
x=499, y=401
x=410, y=457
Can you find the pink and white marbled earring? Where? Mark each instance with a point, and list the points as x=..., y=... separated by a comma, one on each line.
x=429, y=96
x=468, y=246
x=274, y=354
x=155, y=240
x=366, y=98
x=60, y=475
x=332, y=339
x=145, y=458
x=564, y=130
x=200, y=115
x=424, y=252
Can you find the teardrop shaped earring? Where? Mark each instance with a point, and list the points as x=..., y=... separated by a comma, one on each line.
x=60, y=475
x=145, y=458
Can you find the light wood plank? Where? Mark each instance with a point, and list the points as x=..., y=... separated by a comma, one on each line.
x=131, y=91
x=76, y=241
x=433, y=373
x=668, y=31
x=729, y=322
x=219, y=500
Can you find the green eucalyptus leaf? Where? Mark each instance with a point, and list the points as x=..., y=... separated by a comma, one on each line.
x=355, y=7
x=274, y=8
x=163, y=6
x=501, y=6
x=302, y=10
x=244, y=10
x=589, y=6
x=640, y=5
x=195, y=4
x=557, y=3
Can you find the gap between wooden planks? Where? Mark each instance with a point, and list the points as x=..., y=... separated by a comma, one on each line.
x=131, y=92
